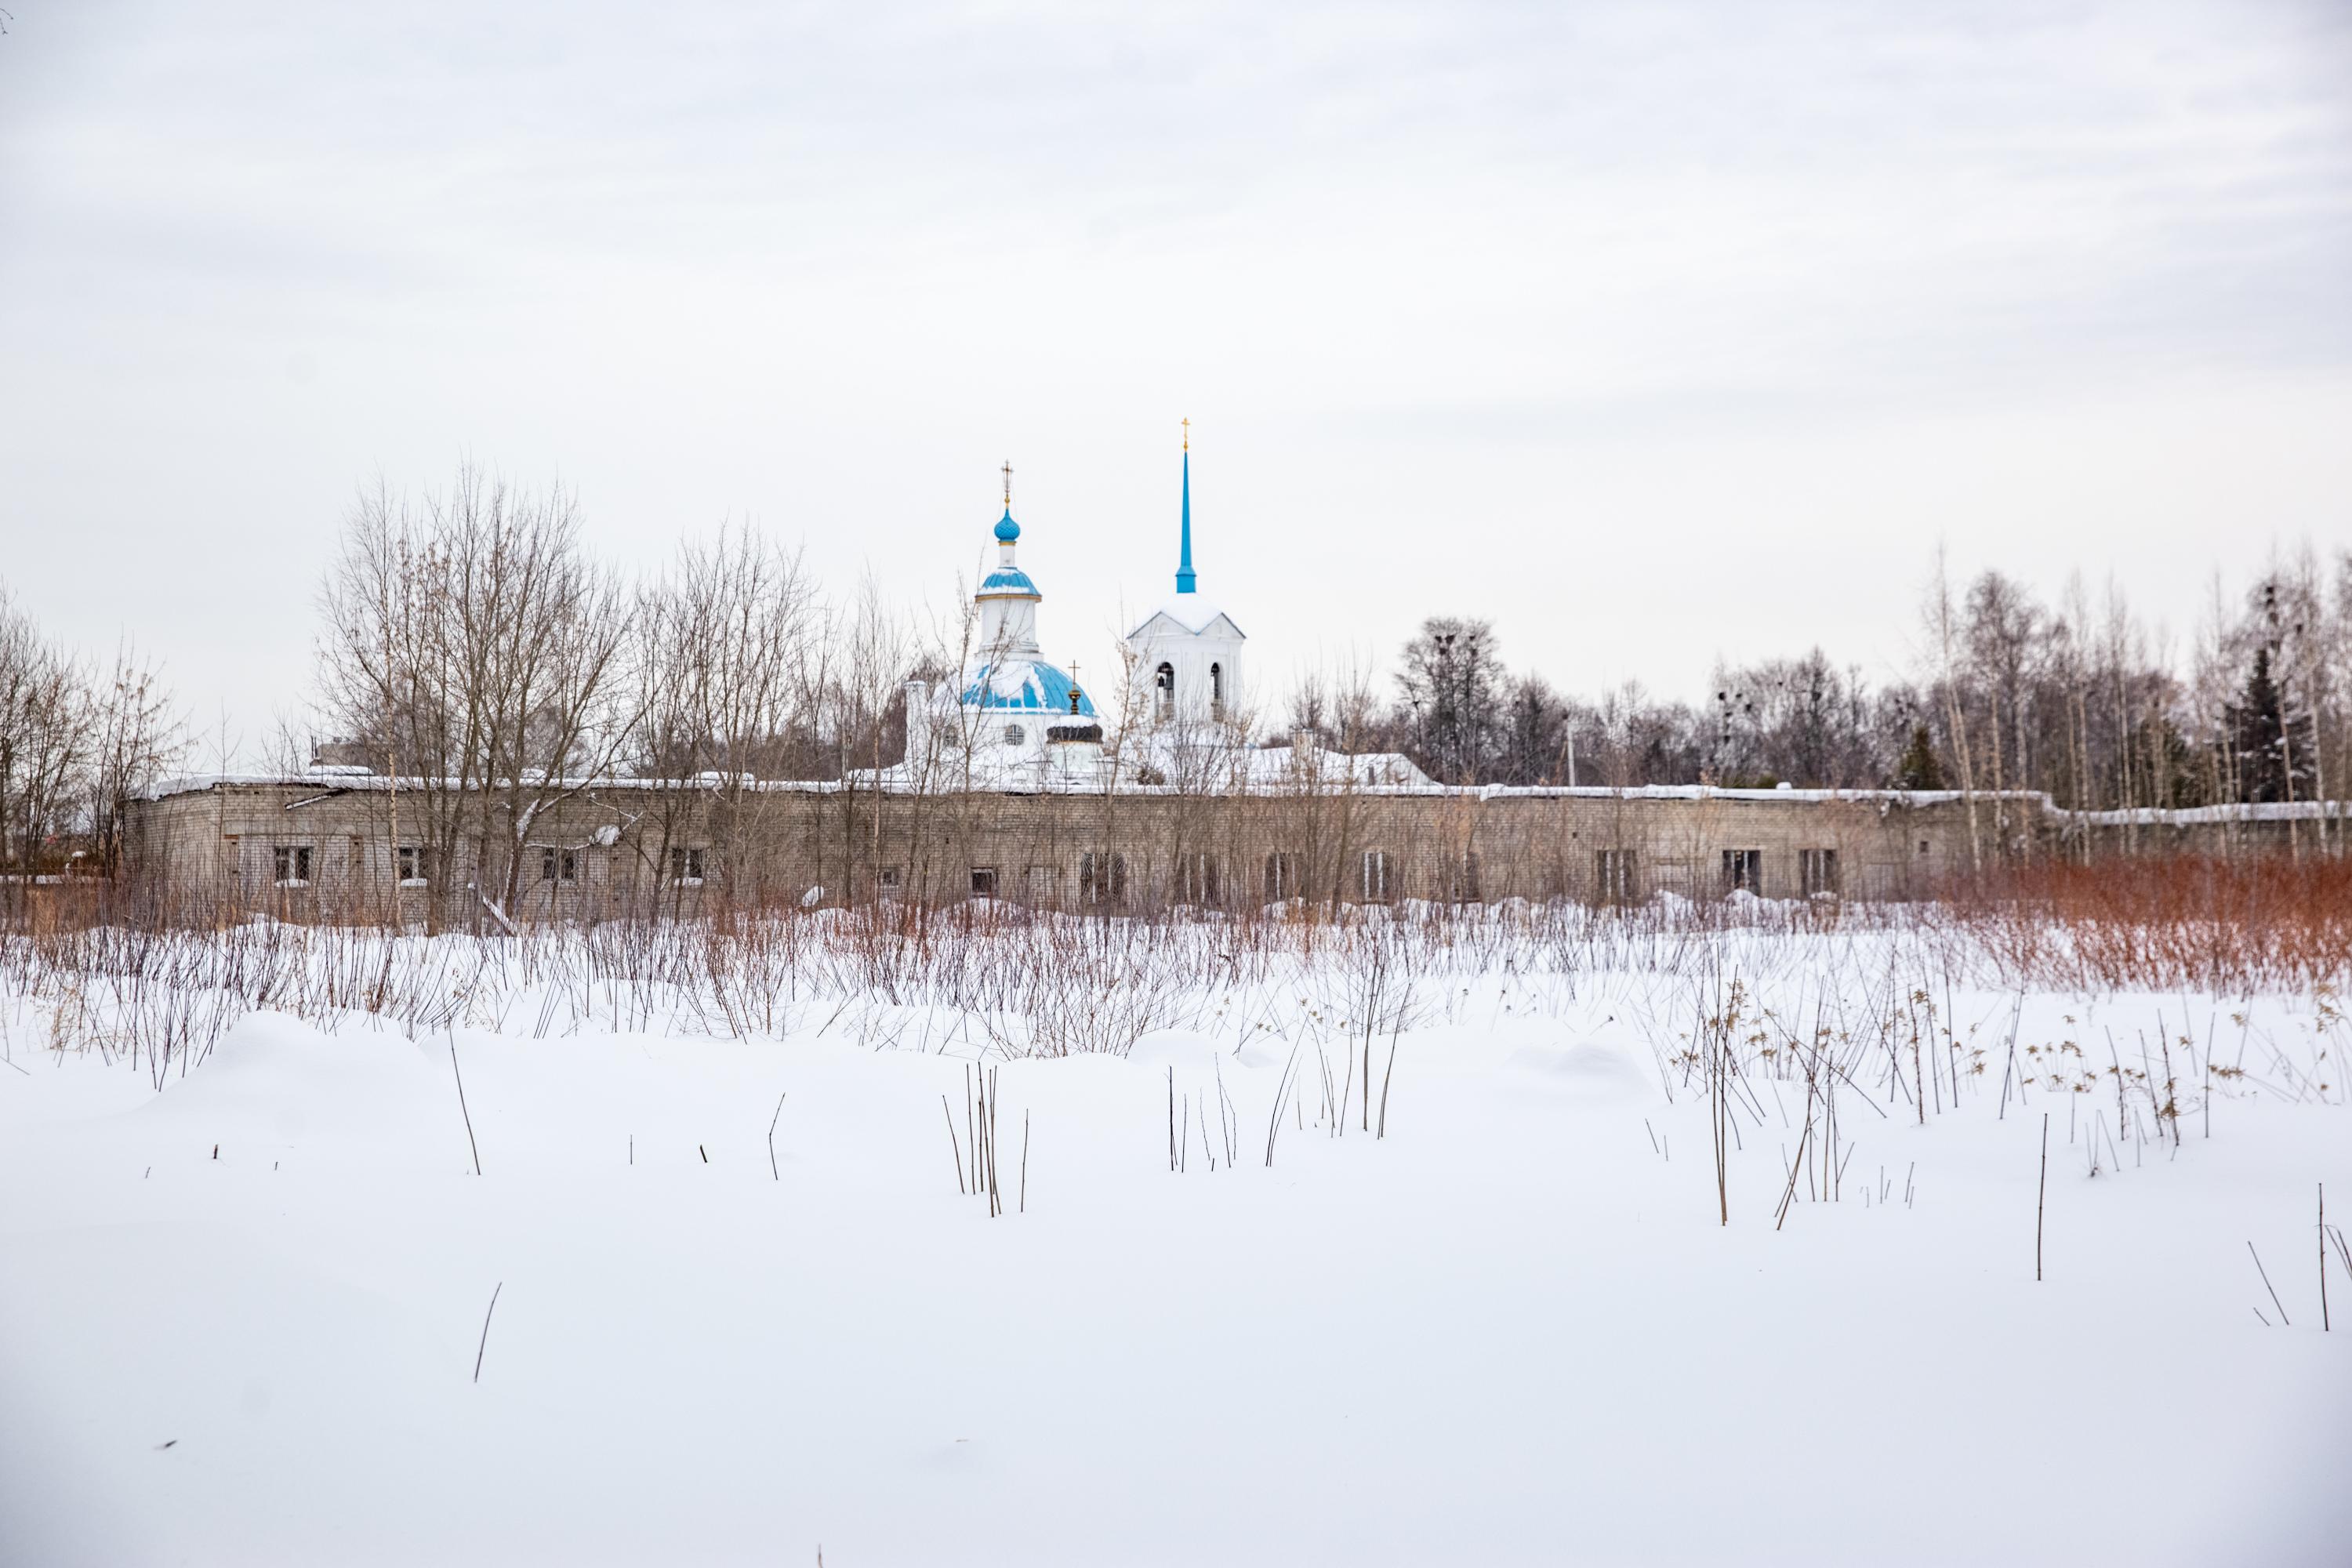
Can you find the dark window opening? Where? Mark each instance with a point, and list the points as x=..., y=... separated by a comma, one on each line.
x=1612, y=872
x=1281, y=876
x=1102, y=879
x=1462, y=878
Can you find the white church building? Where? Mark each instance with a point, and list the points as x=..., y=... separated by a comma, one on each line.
x=1018, y=721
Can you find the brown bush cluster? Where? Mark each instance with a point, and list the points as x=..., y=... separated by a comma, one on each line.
x=2203, y=922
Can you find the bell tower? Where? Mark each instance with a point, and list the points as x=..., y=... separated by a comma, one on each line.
x=1187, y=655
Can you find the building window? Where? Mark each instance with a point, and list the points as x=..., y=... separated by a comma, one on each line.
x=1923, y=846
x=984, y=881
x=1817, y=872
x=1281, y=876
x=1198, y=879
x=1102, y=879
x=1014, y=734
x=1462, y=878
x=1379, y=877
x=1743, y=871
x=1163, y=691
x=686, y=865
x=1217, y=690
x=411, y=866
x=293, y=865
x=886, y=882
x=1613, y=875
x=561, y=865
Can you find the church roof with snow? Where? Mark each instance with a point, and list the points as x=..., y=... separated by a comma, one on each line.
x=1024, y=686
x=1193, y=612
x=1011, y=583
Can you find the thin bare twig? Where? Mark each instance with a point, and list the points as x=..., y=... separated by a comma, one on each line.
x=479, y=1349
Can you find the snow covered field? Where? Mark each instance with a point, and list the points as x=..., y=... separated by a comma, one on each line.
x=241, y=1316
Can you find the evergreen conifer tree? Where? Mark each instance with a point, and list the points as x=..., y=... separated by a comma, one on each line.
x=1918, y=768
x=2258, y=732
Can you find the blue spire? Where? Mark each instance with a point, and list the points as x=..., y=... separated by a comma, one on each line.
x=1184, y=560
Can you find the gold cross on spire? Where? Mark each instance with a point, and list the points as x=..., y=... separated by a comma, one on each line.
x=1188, y=432
x=1008, y=484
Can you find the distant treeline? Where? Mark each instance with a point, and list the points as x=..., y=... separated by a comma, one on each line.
x=2010, y=692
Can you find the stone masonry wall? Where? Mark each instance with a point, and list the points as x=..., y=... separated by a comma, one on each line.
x=325, y=849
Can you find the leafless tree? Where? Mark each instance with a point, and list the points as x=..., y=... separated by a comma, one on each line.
x=1452, y=681
x=471, y=642
x=722, y=645
x=135, y=735
x=855, y=672
x=43, y=741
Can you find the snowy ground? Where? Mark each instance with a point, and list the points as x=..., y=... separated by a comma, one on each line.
x=240, y=1317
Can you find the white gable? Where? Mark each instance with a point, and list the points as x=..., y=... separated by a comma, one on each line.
x=1166, y=623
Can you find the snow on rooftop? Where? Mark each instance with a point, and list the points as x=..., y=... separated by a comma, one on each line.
x=1196, y=613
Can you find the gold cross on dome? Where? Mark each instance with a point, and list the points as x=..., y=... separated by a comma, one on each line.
x=1008, y=485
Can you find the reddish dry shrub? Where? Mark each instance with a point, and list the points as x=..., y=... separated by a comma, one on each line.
x=2210, y=922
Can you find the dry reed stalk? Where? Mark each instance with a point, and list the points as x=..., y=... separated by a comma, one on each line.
x=461, y=1105
x=2041, y=1197
x=954, y=1147
x=483, y=1346
x=2267, y=1286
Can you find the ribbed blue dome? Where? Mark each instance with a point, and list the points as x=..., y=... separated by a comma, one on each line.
x=1007, y=531
x=1009, y=583
x=1024, y=686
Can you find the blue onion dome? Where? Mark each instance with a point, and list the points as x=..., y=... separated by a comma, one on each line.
x=1007, y=531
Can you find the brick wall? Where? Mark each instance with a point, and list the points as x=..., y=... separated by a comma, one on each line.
x=326, y=851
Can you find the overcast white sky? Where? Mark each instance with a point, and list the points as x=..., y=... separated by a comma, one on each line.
x=1653, y=332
